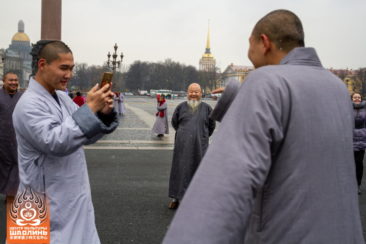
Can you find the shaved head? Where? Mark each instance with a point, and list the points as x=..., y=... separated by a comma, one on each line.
x=48, y=50
x=11, y=82
x=194, y=92
x=194, y=85
x=283, y=28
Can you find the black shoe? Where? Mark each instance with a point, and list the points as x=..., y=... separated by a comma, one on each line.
x=160, y=135
x=173, y=204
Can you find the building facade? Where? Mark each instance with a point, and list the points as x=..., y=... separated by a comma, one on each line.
x=2, y=58
x=17, y=57
x=238, y=72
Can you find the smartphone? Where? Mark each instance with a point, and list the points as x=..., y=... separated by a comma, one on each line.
x=107, y=78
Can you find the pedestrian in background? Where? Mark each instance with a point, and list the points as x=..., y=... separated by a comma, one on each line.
x=79, y=99
x=9, y=96
x=70, y=94
x=359, y=135
x=193, y=125
x=280, y=169
x=161, y=125
x=119, y=105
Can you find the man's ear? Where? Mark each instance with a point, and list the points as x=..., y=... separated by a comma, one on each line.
x=267, y=44
x=41, y=63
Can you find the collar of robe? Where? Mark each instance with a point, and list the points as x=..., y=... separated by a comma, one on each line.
x=10, y=94
x=360, y=105
x=302, y=56
x=37, y=88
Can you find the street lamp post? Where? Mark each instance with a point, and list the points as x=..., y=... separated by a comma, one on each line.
x=114, y=63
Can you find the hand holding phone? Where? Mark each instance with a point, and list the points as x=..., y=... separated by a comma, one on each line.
x=107, y=79
x=101, y=99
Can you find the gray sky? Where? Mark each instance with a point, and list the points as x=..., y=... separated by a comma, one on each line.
x=154, y=30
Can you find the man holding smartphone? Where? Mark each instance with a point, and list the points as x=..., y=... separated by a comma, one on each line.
x=51, y=131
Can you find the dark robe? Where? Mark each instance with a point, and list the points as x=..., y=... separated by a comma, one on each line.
x=9, y=176
x=193, y=130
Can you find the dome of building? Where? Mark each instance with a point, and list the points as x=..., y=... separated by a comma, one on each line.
x=20, y=36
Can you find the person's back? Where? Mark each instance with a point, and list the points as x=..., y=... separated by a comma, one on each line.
x=280, y=168
x=311, y=179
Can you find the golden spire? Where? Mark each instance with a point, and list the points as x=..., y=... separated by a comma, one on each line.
x=207, y=62
x=208, y=37
x=208, y=48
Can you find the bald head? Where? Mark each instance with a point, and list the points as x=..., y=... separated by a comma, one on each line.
x=48, y=50
x=194, y=92
x=283, y=28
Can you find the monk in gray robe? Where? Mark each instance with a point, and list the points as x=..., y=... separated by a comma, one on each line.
x=51, y=130
x=280, y=169
x=9, y=96
x=193, y=129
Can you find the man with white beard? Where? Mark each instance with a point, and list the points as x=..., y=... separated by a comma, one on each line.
x=193, y=129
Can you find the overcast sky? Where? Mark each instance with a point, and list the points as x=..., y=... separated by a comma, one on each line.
x=154, y=30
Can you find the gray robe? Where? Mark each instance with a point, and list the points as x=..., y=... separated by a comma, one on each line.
x=161, y=125
x=9, y=179
x=51, y=159
x=281, y=166
x=224, y=102
x=193, y=130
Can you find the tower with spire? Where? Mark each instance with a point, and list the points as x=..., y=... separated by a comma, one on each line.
x=207, y=62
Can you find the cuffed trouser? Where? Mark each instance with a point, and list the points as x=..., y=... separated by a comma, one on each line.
x=359, y=165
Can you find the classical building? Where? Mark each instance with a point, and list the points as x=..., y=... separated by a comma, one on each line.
x=17, y=57
x=207, y=62
x=2, y=58
x=238, y=72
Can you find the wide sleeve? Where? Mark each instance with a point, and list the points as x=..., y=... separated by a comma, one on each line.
x=92, y=124
x=105, y=123
x=226, y=99
x=211, y=122
x=44, y=131
x=359, y=134
x=175, y=118
x=219, y=200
